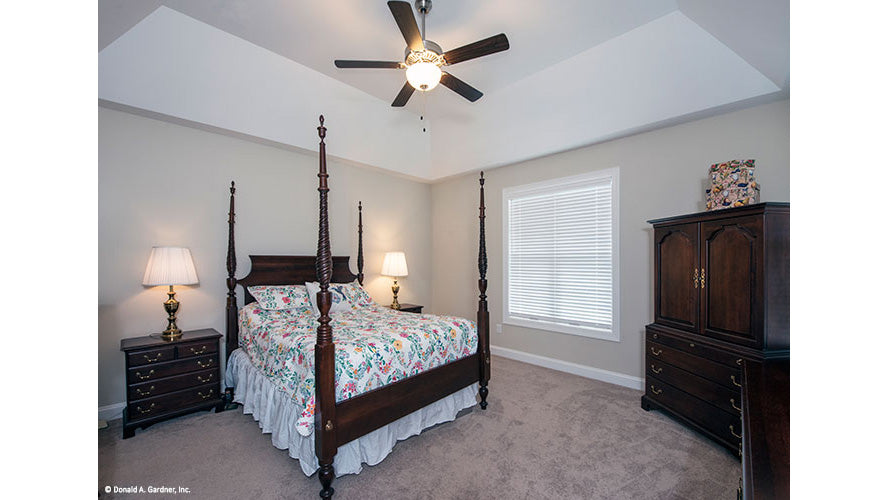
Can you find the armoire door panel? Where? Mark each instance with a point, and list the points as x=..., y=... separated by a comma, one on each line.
x=731, y=264
x=677, y=292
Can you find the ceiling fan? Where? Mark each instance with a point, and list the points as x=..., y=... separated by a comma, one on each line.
x=424, y=58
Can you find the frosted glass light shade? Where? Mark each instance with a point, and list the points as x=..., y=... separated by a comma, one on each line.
x=170, y=266
x=394, y=264
x=424, y=75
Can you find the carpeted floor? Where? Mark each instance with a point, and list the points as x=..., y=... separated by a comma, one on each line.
x=545, y=434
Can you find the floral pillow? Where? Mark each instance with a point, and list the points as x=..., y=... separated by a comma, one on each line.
x=355, y=294
x=339, y=302
x=279, y=298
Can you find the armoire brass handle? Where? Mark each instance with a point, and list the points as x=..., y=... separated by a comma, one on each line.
x=735, y=381
x=141, y=377
x=703, y=278
x=147, y=410
x=656, y=352
x=655, y=370
x=656, y=391
x=696, y=277
x=731, y=428
x=734, y=405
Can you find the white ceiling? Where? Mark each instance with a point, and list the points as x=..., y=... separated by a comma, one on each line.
x=576, y=73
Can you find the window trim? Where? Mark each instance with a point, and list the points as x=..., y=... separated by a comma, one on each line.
x=553, y=185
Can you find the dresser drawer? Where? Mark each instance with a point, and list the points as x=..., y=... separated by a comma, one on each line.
x=146, y=408
x=715, y=394
x=154, y=372
x=193, y=349
x=151, y=356
x=696, y=348
x=722, y=424
x=710, y=370
x=162, y=386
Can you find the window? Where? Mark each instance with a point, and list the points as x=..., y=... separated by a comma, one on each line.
x=561, y=249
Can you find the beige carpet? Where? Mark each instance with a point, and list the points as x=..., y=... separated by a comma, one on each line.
x=546, y=434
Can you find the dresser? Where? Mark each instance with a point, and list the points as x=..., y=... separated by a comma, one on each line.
x=166, y=379
x=721, y=298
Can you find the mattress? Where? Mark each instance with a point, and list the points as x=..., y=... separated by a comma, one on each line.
x=375, y=346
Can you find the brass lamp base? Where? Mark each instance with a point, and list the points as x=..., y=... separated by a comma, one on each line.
x=395, y=289
x=171, y=306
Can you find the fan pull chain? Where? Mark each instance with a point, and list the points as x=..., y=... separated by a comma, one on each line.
x=421, y=116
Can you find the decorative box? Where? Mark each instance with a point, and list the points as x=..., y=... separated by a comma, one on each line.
x=732, y=185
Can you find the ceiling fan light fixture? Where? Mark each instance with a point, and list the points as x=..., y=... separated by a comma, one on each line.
x=424, y=76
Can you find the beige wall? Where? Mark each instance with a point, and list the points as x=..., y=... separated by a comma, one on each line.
x=662, y=173
x=165, y=184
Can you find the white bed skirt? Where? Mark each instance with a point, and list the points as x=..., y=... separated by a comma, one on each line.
x=277, y=414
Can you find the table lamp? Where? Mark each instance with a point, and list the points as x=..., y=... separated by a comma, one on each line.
x=395, y=265
x=170, y=266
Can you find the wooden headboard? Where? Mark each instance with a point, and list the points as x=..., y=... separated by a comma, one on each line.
x=279, y=270
x=290, y=270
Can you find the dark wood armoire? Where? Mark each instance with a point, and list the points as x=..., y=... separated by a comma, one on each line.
x=721, y=298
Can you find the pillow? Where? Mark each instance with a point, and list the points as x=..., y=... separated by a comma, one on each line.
x=356, y=294
x=281, y=297
x=339, y=302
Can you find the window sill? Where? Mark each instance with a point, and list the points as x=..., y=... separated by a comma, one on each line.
x=592, y=333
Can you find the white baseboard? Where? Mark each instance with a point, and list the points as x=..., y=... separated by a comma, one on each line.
x=111, y=412
x=574, y=368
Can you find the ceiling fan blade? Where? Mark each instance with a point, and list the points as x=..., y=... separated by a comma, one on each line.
x=460, y=87
x=367, y=64
x=492, y=45
x=403, y=95
x=403, y=13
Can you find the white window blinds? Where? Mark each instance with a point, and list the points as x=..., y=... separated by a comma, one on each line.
x=560, y=254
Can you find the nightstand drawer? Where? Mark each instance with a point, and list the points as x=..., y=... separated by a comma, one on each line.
x=197, y=348
x=159, y=387
x=146, y=408
x=702, y=367
x=718, y=395
x=151, y=356
x=154, y=372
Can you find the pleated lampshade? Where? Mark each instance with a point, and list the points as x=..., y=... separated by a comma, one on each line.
x=394, y=264
x=170, y=266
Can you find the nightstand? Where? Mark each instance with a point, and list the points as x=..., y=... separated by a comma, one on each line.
x=166, y=379
x=411, y=308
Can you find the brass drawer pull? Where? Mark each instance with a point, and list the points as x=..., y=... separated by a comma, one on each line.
x=201, y=351
x=141, y=377
x=703, y=278
x=655, y=390
x=209, y=363
x=655, y=370
x=147, y=410
x=735, y=381
x=696, y=277
x=734, y=405
x=656, y=336
x=656, y=352
x=146, y=393
x=209, y=395
x=739, y=361
x=731, y=428
x=149, y=360
x=201, y=380
x=692, y=345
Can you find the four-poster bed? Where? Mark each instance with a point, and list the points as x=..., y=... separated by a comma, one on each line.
x=341, y=420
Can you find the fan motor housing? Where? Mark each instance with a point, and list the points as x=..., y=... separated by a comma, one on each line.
x=429, y=45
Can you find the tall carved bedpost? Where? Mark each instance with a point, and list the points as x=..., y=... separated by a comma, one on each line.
x=231, y=282
x=325, y=395
x=360, y=244
x=231, y=302
x=483, y=314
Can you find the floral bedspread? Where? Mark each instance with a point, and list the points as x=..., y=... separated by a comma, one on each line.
x=375, y=346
